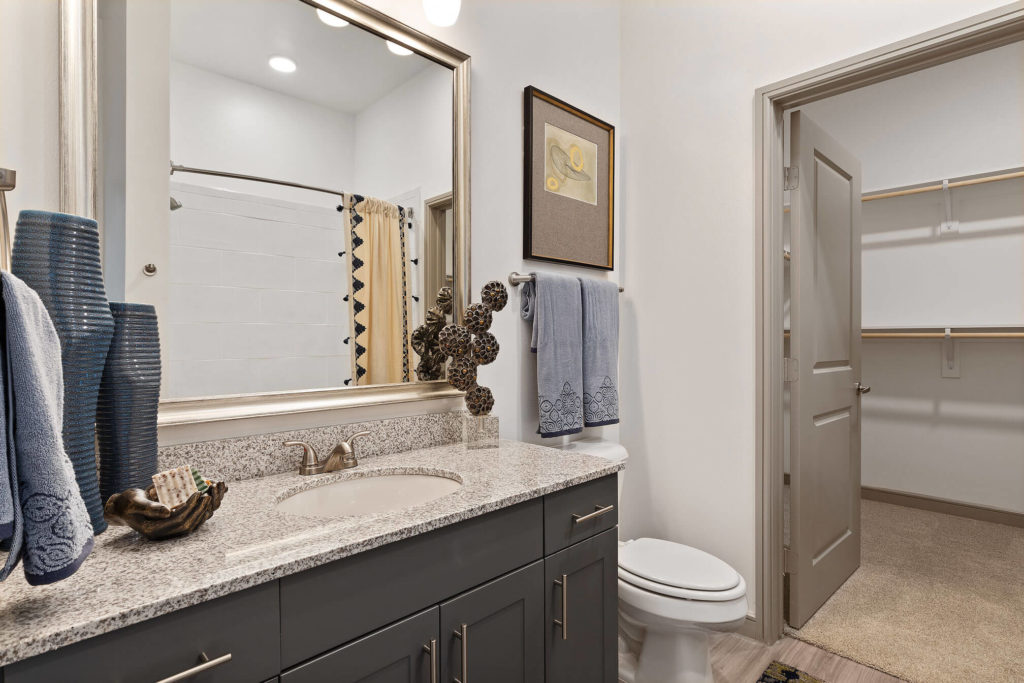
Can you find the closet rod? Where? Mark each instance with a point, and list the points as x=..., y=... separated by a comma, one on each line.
x=936, y=187
x=936, y=335
x=515, y=279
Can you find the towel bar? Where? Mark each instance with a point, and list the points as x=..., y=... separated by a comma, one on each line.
x=515, y=279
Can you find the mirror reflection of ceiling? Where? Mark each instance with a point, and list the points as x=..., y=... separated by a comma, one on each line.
x=236, y=38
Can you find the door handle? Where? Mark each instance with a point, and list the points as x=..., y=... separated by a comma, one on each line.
x=205, y=663
x=564, y=621
x=463, y=635
x=432, y=651
x=862, y=388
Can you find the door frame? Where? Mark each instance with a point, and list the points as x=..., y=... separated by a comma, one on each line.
x=976, y=34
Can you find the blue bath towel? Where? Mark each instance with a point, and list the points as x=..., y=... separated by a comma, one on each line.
x=52, y=535
x=600, y=352
x=553, y=304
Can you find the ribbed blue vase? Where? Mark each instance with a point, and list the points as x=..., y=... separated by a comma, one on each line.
x=129, y=397
x=58, y=255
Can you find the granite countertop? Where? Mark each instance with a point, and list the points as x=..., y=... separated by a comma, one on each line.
x=129, y=579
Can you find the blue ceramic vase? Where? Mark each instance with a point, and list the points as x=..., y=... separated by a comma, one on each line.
x=129, y=397
x=58, y=255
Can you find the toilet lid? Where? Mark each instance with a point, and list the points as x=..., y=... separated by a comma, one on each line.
x=676, y=565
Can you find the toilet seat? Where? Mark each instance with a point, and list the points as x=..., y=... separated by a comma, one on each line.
x=678, y=571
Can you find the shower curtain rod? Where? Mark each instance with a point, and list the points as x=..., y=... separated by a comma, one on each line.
x=241, y=176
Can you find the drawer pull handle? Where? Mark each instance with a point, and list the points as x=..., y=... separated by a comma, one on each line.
x=205, y=664
x=564, y=621
x=598, y=512
x=432, y=651
x=463, y=635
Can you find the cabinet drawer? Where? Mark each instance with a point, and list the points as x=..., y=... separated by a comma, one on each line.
x=565, y=513
x=333, y=604
x=244, y=625
x=397, y=654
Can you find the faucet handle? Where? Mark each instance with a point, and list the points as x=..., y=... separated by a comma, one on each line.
x=310, y=462
x=355, y=436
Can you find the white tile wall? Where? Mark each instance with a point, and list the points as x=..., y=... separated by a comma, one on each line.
x=255, y=295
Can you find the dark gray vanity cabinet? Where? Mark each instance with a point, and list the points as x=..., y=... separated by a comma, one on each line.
x=581, y=611
x=523, y=594
x=494, y=633
x=406, y=652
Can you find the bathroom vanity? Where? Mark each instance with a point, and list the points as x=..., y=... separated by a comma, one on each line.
x=522, y=587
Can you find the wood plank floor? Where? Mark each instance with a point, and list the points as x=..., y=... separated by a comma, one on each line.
x=736, y=659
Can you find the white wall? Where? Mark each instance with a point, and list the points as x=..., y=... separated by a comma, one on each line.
x=399, y=140
x=221, y=123
x=959, y=438
x=689, y=72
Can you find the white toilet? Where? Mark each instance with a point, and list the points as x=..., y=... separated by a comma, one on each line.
x=671, y=597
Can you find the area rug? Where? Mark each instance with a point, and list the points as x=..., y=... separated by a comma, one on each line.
x=936, y=598
x=777, y=672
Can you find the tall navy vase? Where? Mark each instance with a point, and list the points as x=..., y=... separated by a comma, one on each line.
x=128, y=400
x=58, y=255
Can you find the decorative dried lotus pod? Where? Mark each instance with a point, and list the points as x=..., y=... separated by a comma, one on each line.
x=420, y=338
x=477, y=318
x=494, y=295
x=462, y=373
x=454, y=340
x=480, y=401
x=485, y=348
x=444, y=299
x=435, y=318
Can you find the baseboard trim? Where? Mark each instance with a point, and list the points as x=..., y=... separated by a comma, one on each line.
x=948, y=507
x=751, y=628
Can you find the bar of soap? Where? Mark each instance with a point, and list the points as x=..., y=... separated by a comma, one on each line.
x=174, y=487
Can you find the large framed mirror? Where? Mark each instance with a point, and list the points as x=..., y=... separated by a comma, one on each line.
x=289, y=185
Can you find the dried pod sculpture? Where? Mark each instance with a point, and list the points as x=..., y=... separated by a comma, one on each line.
x=426, y=338
x=471, y=345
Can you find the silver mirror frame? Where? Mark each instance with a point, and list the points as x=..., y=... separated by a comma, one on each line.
x=79, y=149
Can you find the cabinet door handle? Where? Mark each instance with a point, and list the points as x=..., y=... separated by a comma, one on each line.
x=564, y=621
x=432, y=651
x=205, y=664
x=463, y=635
x=598, y=511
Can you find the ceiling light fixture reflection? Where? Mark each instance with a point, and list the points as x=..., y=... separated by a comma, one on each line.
x=330, y=19
x=282, y=64
x=398, y=49
x=442, y=12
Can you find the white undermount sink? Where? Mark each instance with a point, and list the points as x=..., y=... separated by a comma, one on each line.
x=369, y=494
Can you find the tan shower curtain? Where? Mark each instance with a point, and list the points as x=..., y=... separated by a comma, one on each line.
x=379, y=293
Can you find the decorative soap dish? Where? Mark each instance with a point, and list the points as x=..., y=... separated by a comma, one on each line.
x=142, y=511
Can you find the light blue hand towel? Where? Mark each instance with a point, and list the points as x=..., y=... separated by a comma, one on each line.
x=600, y=352
x=553, y=304
x=52, y=534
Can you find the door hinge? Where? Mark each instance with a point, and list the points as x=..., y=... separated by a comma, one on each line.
x=792, y=178
x=788, y=561
x=789, y=369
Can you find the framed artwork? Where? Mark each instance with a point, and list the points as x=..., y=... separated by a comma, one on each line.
x=568, y=183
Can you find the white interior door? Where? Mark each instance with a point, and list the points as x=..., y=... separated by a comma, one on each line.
x=825, y=351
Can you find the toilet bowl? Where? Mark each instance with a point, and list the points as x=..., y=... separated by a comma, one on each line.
x=671, y=599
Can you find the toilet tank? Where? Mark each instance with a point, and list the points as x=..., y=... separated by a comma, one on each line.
x=609, y=450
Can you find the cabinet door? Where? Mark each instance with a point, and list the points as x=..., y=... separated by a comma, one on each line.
x=494, y=634
x=581, y=611
x=403, y=653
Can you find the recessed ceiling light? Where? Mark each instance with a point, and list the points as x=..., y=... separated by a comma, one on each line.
x=282, y=64
x=398, y=49
x=442, y=12
x=330, y=19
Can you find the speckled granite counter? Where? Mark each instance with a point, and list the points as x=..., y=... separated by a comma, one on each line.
x=128, y=579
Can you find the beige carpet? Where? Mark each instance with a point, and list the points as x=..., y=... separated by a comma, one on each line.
x=937, y=598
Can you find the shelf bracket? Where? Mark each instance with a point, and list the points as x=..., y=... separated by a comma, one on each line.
x=948, y=226
x=950, y=356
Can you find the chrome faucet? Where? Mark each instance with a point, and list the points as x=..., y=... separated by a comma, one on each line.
x=342, y=457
